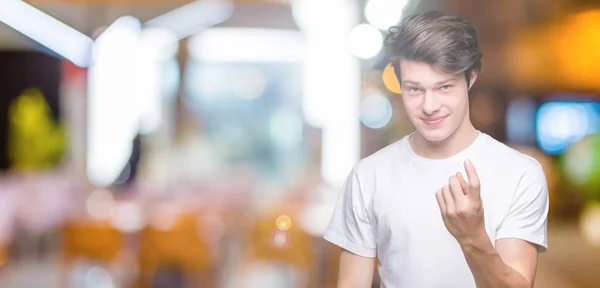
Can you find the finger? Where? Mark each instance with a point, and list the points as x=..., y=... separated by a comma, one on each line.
x=457, y=192
x=450, y=206
x=463, y=183
x=440, y=200
x=473, y=179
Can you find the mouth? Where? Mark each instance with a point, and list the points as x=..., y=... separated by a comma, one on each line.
x=434, y=120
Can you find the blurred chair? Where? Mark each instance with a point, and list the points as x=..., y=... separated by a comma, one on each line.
x=292, y=248
x=178, y=247
x=95, y=241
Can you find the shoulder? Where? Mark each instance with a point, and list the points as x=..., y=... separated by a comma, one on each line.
x=378, y=168
x=513, y=169
x=507, y=158
x=381, y=161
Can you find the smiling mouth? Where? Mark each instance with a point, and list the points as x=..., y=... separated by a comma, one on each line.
x=433, y=121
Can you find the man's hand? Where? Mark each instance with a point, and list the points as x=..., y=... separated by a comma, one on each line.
x=512, y=263
x=461, y=206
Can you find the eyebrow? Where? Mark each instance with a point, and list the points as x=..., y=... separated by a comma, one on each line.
x=436, y=84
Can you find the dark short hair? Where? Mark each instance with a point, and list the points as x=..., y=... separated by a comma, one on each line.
x=438, y=39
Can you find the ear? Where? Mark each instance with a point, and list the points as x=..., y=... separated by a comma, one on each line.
x=473, y=78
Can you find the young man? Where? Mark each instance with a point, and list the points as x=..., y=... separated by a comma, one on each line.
x=446, y=206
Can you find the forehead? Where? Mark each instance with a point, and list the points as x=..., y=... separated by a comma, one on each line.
x=423, y=73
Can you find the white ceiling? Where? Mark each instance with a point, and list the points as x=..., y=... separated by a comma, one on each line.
x=88, y=18
x=85, y=18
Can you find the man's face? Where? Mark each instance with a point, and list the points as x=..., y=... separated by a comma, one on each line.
x=437, y=103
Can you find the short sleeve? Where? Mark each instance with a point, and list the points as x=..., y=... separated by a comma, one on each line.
x=350, y=226
x=528, y=214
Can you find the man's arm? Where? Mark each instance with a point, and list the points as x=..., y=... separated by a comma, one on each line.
x=518, y=241
x=511, y=264
x=355, y=271
x=350, y=229
x=514, y=261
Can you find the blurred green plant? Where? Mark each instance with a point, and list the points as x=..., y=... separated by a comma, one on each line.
x=35, y=141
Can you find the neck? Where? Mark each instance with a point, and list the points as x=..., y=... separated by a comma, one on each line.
x=460, y=140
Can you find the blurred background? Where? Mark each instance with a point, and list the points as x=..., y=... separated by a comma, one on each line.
x=203, y=143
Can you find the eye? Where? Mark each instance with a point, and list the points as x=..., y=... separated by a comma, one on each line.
x=445, y=87
x=413, y=89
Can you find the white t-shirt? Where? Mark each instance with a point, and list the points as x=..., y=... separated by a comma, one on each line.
x=387, y=209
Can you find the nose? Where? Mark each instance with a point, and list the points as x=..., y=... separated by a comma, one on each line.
x=430, y=104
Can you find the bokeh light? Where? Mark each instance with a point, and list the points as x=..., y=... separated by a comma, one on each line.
x=98, y=277
x=100, y=204
x=590, y=223
x=581, y=164
x=390, y=81
x=576, y=50
x=384, y=13
x=280, y=239
x=559, y=124
x=128, y=217
x=283, y=222
x=365, y=41
x=164, y=216
x=375, y=111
